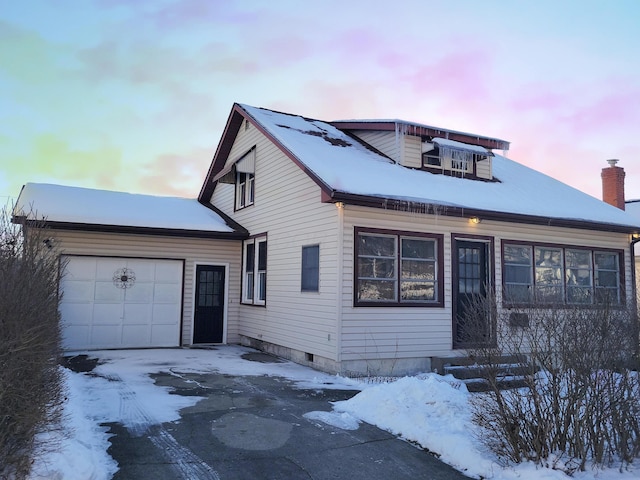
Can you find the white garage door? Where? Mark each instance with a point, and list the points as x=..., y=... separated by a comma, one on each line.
x=120, y=303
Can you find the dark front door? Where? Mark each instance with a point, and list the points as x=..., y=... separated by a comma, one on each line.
x=209, y=308
x=472, y=325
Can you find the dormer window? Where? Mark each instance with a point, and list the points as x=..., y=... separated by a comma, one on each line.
x=440, y=155
x=460, y=160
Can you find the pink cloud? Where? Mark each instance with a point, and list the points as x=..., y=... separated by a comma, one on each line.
x=609, y=112
x=175, y=174
x=460, y=76
x=536, y=98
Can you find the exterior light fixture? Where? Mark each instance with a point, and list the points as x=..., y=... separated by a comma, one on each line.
x=474, y=219
x=635, y=236
x=339, y=205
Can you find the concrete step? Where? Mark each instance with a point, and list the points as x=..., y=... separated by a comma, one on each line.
x=476, y=385
x=509, y=371
x=482, y=371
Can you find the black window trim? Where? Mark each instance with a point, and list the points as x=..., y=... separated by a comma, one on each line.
x=316, y=269
x=399, y=234
x=563, y=247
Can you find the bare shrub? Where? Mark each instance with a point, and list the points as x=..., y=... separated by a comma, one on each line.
x=581, y=401
x=30, y=379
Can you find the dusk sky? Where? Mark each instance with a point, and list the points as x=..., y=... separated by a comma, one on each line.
x=134, y=96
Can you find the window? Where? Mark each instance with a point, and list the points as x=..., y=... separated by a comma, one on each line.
x=244, y=189
x=548, y=275
x=518, y=273
x=310, y=278
x=554, y=274
x=254, y=290
x=460, y=161
x=579, y=275
x=607, y=284
x=397, y=268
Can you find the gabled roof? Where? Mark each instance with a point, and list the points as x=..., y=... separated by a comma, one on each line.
x=350, y=171
x=75, y=208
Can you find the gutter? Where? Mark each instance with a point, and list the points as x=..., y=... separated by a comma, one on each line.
x=126, y=229
x=461, y=212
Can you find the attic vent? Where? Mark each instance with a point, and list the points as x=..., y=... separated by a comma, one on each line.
x=246, y=125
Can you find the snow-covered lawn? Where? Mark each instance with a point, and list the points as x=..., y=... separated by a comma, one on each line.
x=428, y=409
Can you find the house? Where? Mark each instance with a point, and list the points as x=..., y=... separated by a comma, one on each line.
x=633, y=207
x=613, y=194
x=353, y=246
x=135, y=263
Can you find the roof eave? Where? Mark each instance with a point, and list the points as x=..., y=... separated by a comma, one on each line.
x=224, y=148
x=423, y=130
x=234, y=121
x=461, y=212
x=133, y=230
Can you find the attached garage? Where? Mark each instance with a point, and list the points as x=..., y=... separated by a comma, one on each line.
x=120, y=302
x=138, y=271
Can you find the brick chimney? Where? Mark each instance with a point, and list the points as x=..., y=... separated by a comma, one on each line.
x=613, y=184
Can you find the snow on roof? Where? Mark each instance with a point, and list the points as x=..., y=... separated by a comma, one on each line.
x=58, y=203
x=444, y=142
x=403, y=123
x=632, y=207
x=345, y=165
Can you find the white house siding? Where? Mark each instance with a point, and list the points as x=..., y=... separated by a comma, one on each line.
x=288, y=209
x=192, y=250
x=404, y=149
x=483, y=168
x=406, y=336
x=386, y=142
x=412, y=152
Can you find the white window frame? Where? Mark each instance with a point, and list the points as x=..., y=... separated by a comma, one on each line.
x=245, y=189
x=254, y=271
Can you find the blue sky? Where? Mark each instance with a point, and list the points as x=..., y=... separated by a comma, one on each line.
x=134, y=96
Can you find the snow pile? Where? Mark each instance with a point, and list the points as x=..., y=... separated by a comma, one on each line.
x=342, y=420
x=429, y=410
x=83, y=444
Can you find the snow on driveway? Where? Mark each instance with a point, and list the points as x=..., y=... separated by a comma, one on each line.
x=428, y=409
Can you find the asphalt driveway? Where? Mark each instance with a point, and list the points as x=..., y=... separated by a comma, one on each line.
x=253, y=427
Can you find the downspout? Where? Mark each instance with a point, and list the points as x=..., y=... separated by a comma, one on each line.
x=635, y=238
x=339, y=282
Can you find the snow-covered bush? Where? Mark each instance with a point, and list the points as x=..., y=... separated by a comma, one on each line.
x=581, y=401
x=30, y=383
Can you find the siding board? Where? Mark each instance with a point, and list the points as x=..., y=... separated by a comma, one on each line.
x=288, y=209
x=192, y=250
x=400, y=332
